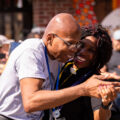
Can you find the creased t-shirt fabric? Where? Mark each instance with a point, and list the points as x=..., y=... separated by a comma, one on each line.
x=27, y=60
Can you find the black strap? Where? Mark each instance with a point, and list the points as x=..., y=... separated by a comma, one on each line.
x=46, y=115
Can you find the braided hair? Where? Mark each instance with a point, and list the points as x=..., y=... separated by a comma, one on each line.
x=104, y=44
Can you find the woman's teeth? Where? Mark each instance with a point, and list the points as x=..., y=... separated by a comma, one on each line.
x=81, y=58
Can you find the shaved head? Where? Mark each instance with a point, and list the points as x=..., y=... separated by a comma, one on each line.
x=65, y=26
x=62, y=24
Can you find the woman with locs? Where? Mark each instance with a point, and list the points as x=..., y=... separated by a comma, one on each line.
x=95, y=51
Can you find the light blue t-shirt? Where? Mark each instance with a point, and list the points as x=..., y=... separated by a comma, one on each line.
x=27, y=60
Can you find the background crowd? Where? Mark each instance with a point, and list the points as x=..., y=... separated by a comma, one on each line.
x=106, y=63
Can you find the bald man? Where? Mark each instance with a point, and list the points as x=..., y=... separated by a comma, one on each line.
x=26, y=85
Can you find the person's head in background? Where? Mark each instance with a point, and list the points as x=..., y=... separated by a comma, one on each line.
x=96, y=48
x=2, y=52
x=33, y=35
x=61, y=37
x=1, y=46
x=36, y=32
x=116, y=39
x=4, y=47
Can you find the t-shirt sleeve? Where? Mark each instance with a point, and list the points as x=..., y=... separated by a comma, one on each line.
x=30, y=64
x=96, y=103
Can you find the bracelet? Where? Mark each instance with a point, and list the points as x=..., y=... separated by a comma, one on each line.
x=106, y=107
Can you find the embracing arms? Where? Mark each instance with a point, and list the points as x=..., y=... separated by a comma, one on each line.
x=36, y=99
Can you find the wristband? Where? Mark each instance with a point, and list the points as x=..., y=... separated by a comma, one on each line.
x=106, y=107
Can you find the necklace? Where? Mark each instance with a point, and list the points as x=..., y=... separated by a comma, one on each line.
x=73, y=70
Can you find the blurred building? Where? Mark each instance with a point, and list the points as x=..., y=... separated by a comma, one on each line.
x=15, y=18
x=18, y=17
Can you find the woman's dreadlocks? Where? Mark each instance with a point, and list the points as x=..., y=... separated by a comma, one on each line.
x=104, y=44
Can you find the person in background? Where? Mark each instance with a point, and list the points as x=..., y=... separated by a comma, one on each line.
x=26, y=84
x=94, y=52
x=36, y=32
x=113, y=66
x=4, y=49
x=2, y=53
x=2, y=57
x=33, y=35
x=114, y=63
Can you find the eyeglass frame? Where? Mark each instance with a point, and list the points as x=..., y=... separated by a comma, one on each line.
x=77, y=45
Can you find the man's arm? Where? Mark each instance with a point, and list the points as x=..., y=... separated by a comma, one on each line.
x=36, y=99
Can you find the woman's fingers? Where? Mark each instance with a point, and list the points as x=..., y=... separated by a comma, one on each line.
x=108, y=93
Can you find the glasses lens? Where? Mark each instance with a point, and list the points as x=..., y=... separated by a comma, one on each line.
x=78, y=45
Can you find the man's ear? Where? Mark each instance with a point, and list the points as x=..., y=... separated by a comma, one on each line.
x=50, y=38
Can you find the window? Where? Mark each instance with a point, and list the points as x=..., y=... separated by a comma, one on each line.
x=15, y=18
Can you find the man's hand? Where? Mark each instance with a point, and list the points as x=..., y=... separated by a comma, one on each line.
x=94, y=82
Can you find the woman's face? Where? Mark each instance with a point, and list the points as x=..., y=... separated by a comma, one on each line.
x=116, y=45
x=87, y=52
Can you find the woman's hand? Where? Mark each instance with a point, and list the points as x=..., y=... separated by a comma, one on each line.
x=113, y=75
x=93, y=83
x=108, y=93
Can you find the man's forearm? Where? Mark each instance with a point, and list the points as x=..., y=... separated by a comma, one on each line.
x=36, y=99
x=46, y=99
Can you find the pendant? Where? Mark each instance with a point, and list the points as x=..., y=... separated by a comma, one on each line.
x=73, y=70
x=56, y=113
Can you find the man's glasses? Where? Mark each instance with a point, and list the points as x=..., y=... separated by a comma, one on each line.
x=70, y=45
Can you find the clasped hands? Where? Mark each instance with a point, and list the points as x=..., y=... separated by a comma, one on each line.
x=96, y=86
x=109, y=92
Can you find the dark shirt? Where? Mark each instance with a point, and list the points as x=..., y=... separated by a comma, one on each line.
x=114, y=62
x=81, y=108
